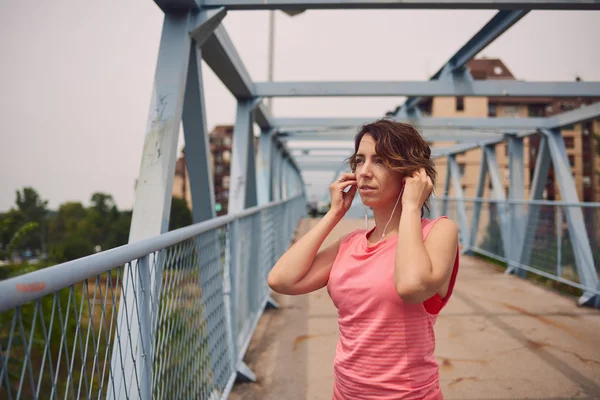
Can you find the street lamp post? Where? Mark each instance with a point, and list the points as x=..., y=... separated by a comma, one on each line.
x=271, y=55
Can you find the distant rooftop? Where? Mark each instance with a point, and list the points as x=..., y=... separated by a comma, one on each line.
x=489, y=68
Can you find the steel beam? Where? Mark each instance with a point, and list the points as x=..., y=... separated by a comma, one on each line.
x=479, y=192
x=242, y=193
x=292, y=5
x=152, y=203
x=499, y=123
x=264, y=168
x=516, y=191
x=499, y=195
x=322, y=166
x=276, y=174
x=447, y=178
x=493, y=88
x=303, y=160
x=460, y=202
x=538, y=183
x=197, y=150
x=580, y=241
x=463, y=147
x=578, y=115
x=502, y=21
x=441, y=137
x=177, y=5
x=206, y=23
x=222, y=57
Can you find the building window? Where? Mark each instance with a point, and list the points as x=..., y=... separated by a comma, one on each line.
x=569, y=142
x=226, y=182
x=461, y=169
x=572, y=161
x=491, y=110
x=460, y=103
x=227, y=141
x=227, y=156
x=568, y=127
x=511, y=111
x=536, y=110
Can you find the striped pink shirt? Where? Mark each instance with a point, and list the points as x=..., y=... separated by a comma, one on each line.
x=386, y=347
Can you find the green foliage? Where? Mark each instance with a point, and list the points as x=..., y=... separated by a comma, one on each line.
x=20, y=235
x=71, y=247
x=180, y=214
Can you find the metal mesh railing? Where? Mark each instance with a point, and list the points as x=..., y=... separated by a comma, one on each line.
x=152, y=319
x=556, y=240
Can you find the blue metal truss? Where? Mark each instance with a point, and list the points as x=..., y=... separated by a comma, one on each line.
x=192, y=32
x=391, y=4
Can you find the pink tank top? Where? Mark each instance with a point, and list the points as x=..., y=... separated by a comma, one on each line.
x=386, y=347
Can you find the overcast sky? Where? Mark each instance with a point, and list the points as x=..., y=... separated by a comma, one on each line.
x=76, y=76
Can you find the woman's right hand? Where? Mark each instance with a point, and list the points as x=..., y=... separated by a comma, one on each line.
x=340, y=201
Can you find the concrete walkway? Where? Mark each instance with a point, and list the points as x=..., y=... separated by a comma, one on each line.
x=499, y=338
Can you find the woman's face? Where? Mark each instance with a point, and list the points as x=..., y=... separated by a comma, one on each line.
x=377, y=184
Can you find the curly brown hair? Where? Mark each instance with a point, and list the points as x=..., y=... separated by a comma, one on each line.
x=401, y=147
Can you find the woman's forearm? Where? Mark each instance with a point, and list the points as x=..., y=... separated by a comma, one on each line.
x=295, y=263
x=413, y=268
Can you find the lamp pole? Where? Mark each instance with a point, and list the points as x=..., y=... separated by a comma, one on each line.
x=271, y=56
x=271, y=60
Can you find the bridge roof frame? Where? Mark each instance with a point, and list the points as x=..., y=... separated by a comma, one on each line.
x=452, y=79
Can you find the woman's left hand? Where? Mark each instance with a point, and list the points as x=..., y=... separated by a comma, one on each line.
x=417, y=189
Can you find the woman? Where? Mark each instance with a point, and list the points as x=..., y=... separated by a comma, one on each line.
x=388, y=283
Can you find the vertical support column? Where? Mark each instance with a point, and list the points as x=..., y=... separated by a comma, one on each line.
x=479, y=192
x=242, y=195
x=283, y=177
x=516, y=191
x=276, y=174
x=264, y=168
x=574, y=216
x=152, y=200
x=197, y=153
x=540, y=176
x=499, y=195
x=446, y=187
x=460, y=200
x=243, y=171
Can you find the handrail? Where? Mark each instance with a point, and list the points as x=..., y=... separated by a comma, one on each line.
x=28, y=287
x=521, y=201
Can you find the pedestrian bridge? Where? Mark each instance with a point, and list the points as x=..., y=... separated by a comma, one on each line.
x=181, y=314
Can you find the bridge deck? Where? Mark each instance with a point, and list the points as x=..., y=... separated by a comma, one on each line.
x=499, y=338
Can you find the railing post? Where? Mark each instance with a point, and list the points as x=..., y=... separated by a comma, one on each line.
x=559, y=243
x=144, y=300
x=229, y=295
x=478, y=200
x=516, y=191
x=580, y=241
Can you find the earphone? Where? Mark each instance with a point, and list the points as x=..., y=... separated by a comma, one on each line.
x=391, y=216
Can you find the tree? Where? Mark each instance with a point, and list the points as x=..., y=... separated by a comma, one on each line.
x=102, y=214
x=31, y=206
x=180, y=214
x=71, y=248
x=17, y=237
x=119, y=232
x=68, y=220
x=27, y=222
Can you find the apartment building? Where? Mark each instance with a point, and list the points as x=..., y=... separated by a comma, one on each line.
x=580, y=139
x=220, y=140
